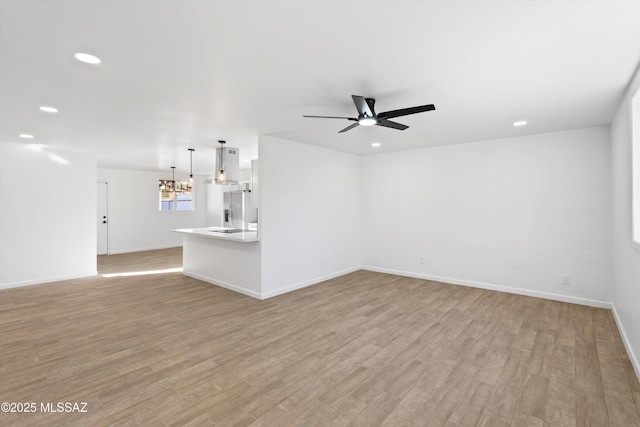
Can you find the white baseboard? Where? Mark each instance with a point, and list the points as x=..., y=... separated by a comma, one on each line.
x=44, y=280
x=626, y=342
x=306, y=283
x=495, y=287
x=230, y=286
x=150, y=248
x=270, y=294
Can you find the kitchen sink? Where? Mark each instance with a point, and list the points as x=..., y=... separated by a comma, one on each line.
x=228, y=230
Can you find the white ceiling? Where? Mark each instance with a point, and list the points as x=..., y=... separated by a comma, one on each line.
x=180, y=74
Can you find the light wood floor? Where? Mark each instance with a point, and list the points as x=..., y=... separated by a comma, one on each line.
x=364, y=349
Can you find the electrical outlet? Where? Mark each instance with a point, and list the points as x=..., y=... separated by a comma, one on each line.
x=421, y=260
x=566, y=280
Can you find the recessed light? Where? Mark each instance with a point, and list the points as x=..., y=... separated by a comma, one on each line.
x=47, y=109
x=26, y=136
x=87, y=58
x=520, y=123
x=375, y=144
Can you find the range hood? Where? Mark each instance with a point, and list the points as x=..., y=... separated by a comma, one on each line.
x=227, y=165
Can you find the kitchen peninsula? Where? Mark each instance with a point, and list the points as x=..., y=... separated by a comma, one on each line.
x=224, y=257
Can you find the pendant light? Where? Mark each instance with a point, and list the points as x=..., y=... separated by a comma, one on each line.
x=221, y=177
x=173, y=180
x=191, y=150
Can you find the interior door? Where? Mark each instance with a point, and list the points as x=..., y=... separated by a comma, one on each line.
x=103, y=218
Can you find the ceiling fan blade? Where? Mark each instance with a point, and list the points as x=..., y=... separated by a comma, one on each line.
x=362, y=106
x=389, y=124
x=332, y=117
x=349, y=127
x=406, y=111
x=371, y=103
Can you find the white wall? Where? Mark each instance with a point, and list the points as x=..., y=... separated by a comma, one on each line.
x=47, y=215
x=626, y=259
x=511, y=214
x=309, y=217
x=135, y=223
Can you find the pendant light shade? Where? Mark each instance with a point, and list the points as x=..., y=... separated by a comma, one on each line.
x=221, y=177
x=191, y=150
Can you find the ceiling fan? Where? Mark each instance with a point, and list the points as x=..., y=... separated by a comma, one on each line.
x=368, y=117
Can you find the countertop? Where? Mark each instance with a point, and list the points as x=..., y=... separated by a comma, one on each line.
x=243, y=236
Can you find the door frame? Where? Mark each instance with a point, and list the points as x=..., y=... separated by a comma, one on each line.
x=104, y=181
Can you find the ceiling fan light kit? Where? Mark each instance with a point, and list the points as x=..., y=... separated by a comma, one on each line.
x=368, y=117
x=367, y=121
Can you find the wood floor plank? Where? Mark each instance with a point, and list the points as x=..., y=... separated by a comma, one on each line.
x=533, y=399
x=502, y=403
x=621, y=412
x=405, y=412
x=591, y=412
x=362, y=349
x=376, y=411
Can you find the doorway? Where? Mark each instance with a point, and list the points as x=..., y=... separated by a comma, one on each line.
x=103, y=218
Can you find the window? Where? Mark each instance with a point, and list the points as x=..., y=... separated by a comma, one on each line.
x=175, y=195
x=635, y=166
